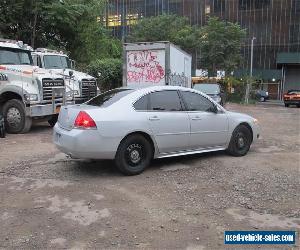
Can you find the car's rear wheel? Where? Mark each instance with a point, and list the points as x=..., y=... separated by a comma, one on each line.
x=240, y=142
x=286, y=105
x=134, y=154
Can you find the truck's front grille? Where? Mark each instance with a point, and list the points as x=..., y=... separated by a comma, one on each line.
x=50, y=84
x=88, y=88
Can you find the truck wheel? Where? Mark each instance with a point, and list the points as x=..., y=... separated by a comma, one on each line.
x=2, y=128
x=134, y=155
x=53, y=120
x=15, y=118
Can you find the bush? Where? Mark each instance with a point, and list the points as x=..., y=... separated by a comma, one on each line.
x=110, y=70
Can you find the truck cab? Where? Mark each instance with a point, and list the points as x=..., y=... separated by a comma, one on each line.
x=27, y=92
x=84, y=86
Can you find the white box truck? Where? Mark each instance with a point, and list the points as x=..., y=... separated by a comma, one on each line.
x=156, y=63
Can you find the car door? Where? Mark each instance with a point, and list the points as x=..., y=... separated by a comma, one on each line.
x=168, y=121
x=208, y=128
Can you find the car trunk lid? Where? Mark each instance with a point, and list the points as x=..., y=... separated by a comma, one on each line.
x=68, y=114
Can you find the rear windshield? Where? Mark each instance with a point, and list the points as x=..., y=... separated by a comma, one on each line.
x=108, y=98
x=294, y=92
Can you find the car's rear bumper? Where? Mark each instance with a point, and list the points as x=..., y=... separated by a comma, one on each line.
x=84, y=144
x=295, y=102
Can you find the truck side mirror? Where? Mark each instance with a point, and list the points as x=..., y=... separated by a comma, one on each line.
x=71, y=73
x=72, y=62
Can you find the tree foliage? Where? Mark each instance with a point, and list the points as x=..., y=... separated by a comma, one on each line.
x=171, y=28
x=220, y=45
x=108, y=72
x=69, y=25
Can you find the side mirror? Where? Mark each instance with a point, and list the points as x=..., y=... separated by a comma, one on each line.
x=71, y=73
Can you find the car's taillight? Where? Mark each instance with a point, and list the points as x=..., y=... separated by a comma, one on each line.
x=84, y=121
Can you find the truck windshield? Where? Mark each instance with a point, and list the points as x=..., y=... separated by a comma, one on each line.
x=56, y=62
x=208, y=88
x=10, y=56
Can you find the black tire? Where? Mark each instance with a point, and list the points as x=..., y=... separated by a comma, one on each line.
x=298, y=105
x=17, y=122
x=134, y=155
x=53, y=120
x=240, y=141
x=286, y=105
x=2, y=127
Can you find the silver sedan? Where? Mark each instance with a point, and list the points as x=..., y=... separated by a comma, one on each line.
x=133, y=126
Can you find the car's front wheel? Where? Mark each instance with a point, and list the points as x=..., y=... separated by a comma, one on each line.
x=53, y=120
x=240, y=142
x=134, y=154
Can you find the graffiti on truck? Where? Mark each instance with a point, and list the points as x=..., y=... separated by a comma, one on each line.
x=177, y=79
x=144, y=67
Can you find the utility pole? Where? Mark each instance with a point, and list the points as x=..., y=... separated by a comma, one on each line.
x=34, y=25
x=249, y=84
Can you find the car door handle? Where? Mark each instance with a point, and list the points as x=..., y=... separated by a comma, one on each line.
x=195, y=118
x=154, y=118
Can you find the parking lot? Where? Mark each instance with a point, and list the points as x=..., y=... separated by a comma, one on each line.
x=51, y=201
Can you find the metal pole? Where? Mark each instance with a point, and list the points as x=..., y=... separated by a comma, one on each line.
x=251, y=66
x=249, y=84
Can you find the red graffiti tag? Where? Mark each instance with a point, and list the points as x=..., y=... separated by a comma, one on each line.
x=144, y=66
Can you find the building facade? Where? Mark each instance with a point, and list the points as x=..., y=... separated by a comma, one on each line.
x=275, y=24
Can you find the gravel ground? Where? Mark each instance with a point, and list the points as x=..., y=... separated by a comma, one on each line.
x=49, y=201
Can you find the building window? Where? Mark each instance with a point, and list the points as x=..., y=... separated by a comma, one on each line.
x=245, y=4
x=259, y=4
x=219, y=5
x=207, y=9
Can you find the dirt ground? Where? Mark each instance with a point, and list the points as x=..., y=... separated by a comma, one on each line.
x=48, y=201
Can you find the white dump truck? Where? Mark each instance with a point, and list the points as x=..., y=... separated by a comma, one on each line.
x=83, y=85
x=156, y=63
x=27, y=92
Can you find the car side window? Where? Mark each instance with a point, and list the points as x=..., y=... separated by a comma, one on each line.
x=166, y=100
x=196, y=102
x=142, y=103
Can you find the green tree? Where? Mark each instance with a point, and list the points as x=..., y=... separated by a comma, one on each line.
x=220, y=46
x=108, y=72
x=70, y=25
x=171, y=28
